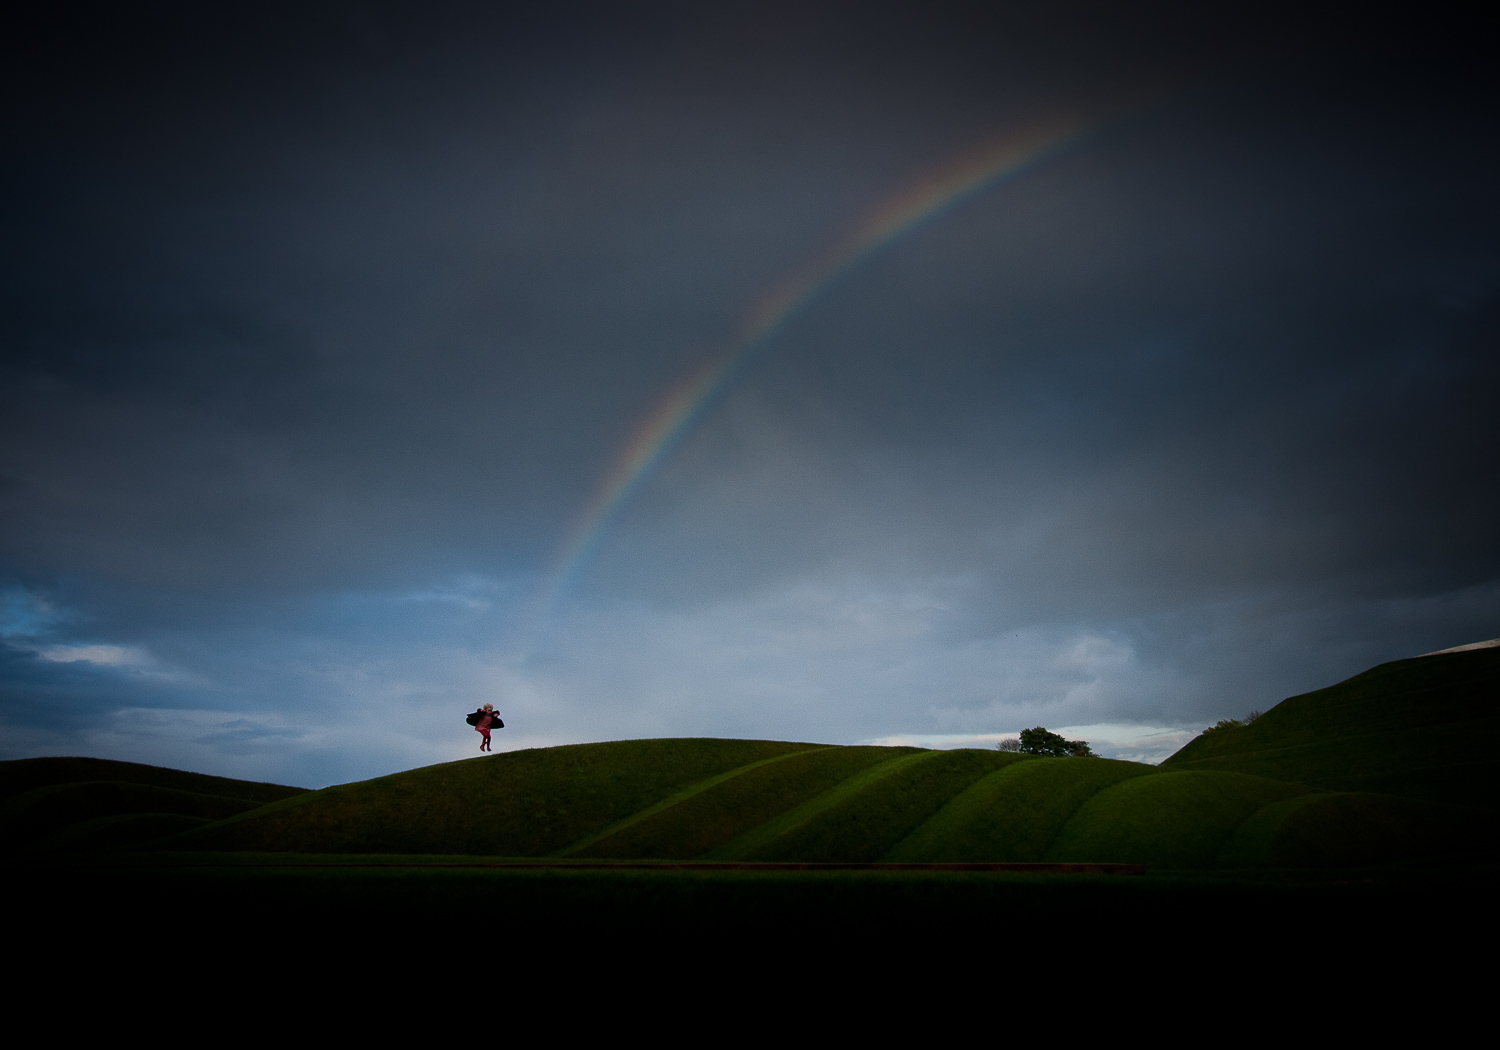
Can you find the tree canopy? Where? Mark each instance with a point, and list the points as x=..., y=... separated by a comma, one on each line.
x=1233, y=723
x=1039, y=741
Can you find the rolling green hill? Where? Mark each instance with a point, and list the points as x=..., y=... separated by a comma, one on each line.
x=28, y=773
x=1015, y=813
x=519, y=803
x=1376, y=769
x=1413, y=728
x=84, y=803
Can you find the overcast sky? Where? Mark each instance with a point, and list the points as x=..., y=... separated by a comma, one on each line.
x=326, y=325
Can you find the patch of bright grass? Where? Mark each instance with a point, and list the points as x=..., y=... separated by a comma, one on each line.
x=762, y=842
x=1014, y=813
x=711, y=818
x=863, y=818
x=585, y=844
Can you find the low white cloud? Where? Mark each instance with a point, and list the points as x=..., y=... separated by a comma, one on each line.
x=106, y=655
x=132, y=660
x=476, y=594
x=1131, y=743
x=941, y=741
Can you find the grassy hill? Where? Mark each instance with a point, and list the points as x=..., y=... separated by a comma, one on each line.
x=1369, y=771
x=1412, y=728
x=84, y=803
x=27, y=773
x=520, y=803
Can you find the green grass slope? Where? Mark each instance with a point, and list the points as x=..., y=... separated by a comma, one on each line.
x=1415, y=728
x=1342, y=829
x=861, y=819
x=520, y=803
x=42, y=798
x=1014, y=813
x=703, y=825
x=1167, y=820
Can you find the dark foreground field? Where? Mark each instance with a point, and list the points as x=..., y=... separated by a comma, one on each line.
x=198, y=896
x=422, y=930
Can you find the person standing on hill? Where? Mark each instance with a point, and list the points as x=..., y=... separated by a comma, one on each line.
x=483, y=721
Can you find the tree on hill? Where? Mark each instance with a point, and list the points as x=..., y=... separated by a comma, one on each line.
x=1039, y=741
x=1232, y=723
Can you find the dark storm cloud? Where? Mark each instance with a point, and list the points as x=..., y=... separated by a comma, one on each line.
x=1205, y=376
x=322, y=324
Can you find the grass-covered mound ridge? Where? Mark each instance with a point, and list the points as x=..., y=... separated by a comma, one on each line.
x=85, y=803
x=1015, y=813
x=695, y=799
x=1414, y=728
x=28, y=773
x=742, y=800
x=519, y=803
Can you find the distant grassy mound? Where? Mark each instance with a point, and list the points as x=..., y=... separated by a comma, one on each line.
x=36, y=814
x=1416, y=728
x=28, y=773
x=78, y=803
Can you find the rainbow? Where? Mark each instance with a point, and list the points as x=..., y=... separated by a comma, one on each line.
x=691, y=397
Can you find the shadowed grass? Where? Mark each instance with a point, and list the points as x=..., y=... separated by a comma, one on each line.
x=619, y=826
x=27, y=774
x=1402, y=728
x=1167, y=820
x=1014, y=813
x=32, y=816
x=714, y=817
x=119, y=832
x=281, y=900
x=1354, y=828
